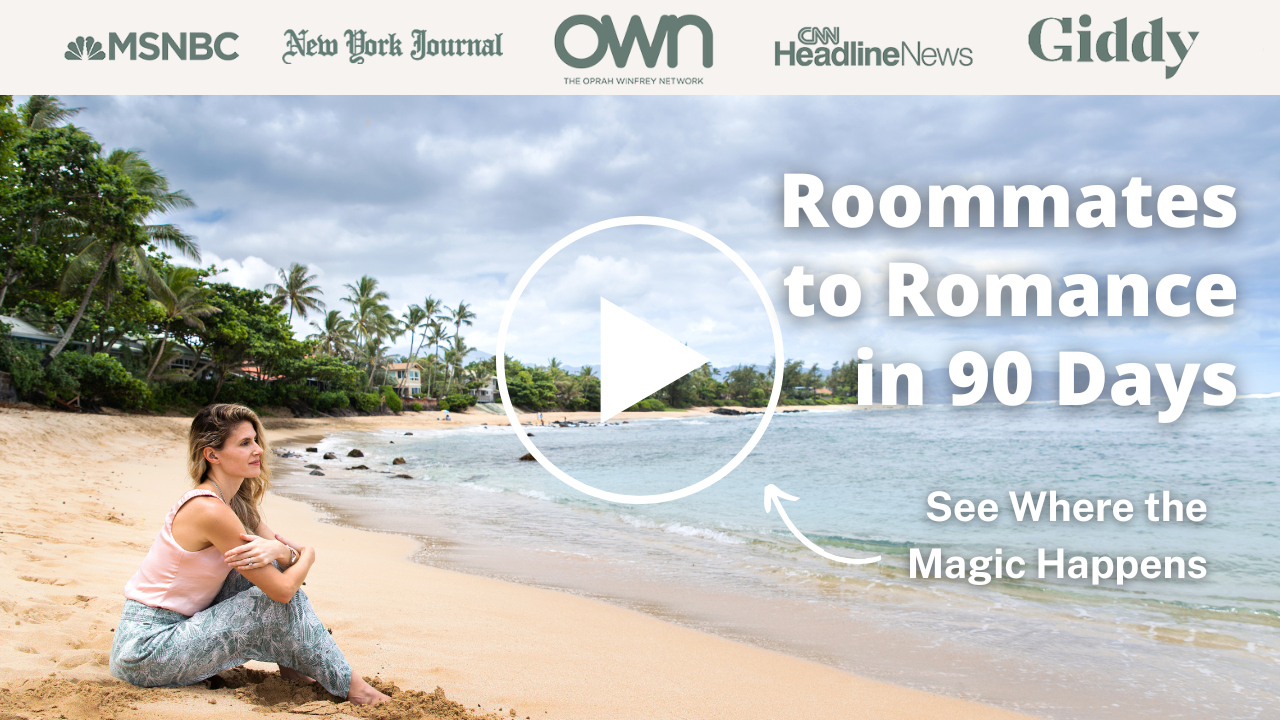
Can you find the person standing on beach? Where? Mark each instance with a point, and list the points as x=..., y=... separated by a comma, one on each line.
x=188, y=617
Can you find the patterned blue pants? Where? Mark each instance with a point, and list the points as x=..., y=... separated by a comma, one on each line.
x=155, y=647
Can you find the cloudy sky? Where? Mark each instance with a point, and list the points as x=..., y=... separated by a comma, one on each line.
x=456, y=197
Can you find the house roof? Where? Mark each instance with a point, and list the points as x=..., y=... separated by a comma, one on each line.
x=402, y=366
x=24, y=329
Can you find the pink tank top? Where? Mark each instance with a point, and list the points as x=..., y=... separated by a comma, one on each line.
x=177, y=579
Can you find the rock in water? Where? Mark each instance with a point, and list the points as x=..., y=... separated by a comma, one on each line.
x=311, y=467
x=402, y=475
x=398, y=461
x=408, y=433
x=316, y=472
x=355, y=453
x=358, y=467
x=330, y=456
x=528, y=456
x=312, y=450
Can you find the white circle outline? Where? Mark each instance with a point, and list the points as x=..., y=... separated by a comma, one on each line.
x=777, y=351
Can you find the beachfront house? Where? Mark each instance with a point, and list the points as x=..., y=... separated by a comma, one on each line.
x=25, y=332
x=407, y=378
x=488, y=393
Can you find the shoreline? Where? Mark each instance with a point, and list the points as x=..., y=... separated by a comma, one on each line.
x=95, y=488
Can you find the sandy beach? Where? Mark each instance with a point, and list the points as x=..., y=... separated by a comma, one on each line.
x=85, y=495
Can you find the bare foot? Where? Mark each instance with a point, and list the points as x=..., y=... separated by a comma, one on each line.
x=362, y=693
x=291, y=674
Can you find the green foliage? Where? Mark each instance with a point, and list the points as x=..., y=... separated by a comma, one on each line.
x=20, y=360
x=415, y=406
x=98, y=379
x=530, y=387
x=104, y=381
x=457, y=402
x=393, y=401
x=366, y=402
x=332, y=400
x=651, y=404
x=334, y=372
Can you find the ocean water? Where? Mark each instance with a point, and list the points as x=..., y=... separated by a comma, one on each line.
x=718, y=562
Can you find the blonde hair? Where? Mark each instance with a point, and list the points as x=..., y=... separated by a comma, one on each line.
x=210, y=429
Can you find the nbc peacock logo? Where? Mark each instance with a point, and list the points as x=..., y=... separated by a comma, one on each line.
x=84, y=48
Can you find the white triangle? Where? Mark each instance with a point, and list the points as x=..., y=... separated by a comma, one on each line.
x=636, y=359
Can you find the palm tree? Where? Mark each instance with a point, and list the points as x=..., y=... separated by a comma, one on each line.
x=454, y=358
x=460, y=316
x=433, y=308
x=366, y=306
x=185, y=299
x=335, y=337
x=297, y=291
x=161, y=355
x=372, y=355
x=45, y=111
x=94, y=256
x=412, y=321
x=365, y=289
x=435, y=336
x=372, y=321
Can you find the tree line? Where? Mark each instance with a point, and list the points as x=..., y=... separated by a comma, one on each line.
x=85, y=255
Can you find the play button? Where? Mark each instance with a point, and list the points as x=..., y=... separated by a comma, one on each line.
x=636, y=359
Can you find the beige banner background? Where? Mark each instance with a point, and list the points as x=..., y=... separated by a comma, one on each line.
x=1230, y=54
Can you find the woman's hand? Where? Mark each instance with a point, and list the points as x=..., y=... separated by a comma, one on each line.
x=257, y=552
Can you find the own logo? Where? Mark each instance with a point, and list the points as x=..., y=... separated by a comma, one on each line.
x=84, y=48
x=668, y=32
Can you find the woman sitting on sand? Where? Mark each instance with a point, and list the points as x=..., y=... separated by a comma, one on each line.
x=187, y=617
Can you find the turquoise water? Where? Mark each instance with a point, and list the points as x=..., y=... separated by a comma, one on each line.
x=717, y=561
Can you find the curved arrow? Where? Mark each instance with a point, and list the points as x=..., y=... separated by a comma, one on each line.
x=773, y=497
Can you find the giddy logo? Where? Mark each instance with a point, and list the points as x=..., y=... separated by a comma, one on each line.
x=1112, y=45
x=84, y=48
x=636, y=359
x=668, y=33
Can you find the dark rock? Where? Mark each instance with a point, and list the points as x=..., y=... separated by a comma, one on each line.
x=312, y=450
x=529, y=434
x=393, y=442
x=402, y=475
x=312, y=467
x=355, y=453
x=359, y=467
x=727, y=411
x=528, y=456
x=330, y=456
x=408, y=433
x=316, y=472
x=398, y=461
